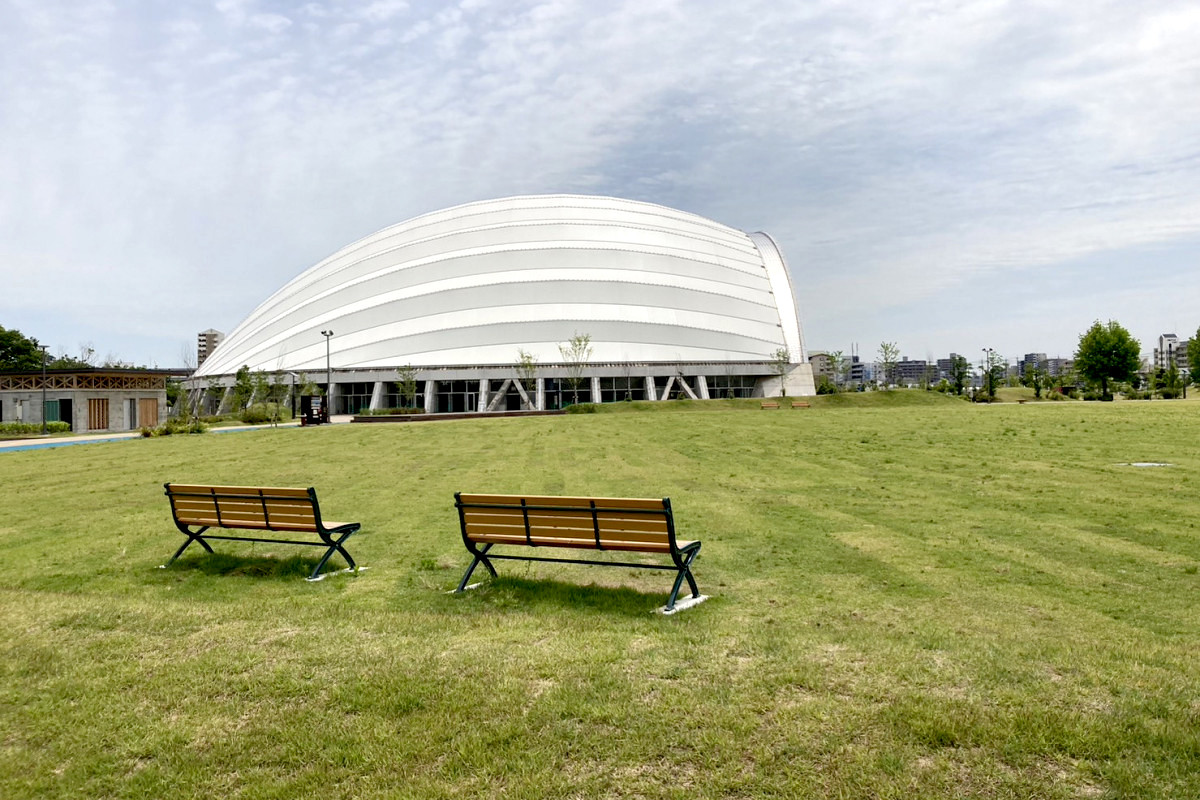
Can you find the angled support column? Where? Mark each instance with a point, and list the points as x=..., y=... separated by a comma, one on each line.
x=377, y=395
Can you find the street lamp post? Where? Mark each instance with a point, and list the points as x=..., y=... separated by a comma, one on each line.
x=328, y=375
x=293, y=403
x=987, y=375
x=43, y=348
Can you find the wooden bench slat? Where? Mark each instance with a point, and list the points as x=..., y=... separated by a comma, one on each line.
x=578, y=544
x=537, y=500
x=257, y=525
x=518, y=531
x=270, y=491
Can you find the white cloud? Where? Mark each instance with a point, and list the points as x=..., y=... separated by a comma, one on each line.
x=903, y=154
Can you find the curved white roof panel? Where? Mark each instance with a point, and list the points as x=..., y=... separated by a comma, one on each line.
x=472, y=285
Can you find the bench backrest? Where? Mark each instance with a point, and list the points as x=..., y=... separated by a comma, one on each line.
x=587, y=522
x=267, y=508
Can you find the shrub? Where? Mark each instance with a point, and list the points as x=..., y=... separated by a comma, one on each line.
x=581, y=408
x=20, y=428
x=175, y=425
x=260, y=413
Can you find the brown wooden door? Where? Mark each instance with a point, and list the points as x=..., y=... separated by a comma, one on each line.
x=98, y=414
x=147, y=412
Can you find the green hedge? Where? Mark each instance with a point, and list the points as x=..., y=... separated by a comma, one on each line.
x=34, y=427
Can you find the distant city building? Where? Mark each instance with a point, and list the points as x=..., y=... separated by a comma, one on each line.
x=1034, y=360
x=1169, y=349
x=1059, y=366
x=860, y=372
x=206, y=342
x=911, y=371
x=822, y=365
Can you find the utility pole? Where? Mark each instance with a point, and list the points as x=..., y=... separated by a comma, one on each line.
x=43, y=349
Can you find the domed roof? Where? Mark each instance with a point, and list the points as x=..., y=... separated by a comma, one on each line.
x=472, y=285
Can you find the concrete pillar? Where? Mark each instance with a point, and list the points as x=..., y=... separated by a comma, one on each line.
x=331, y=396
x=651, y=392
x=226, y=400
x=595, y=389
x=702, y=387
x=430, y=396
x=378, y=395
x=541, y=393
x=485, y=386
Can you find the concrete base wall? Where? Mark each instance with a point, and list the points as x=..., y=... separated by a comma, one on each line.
x=797, y=383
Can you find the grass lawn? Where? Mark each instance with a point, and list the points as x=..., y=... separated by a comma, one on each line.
x=910, y=597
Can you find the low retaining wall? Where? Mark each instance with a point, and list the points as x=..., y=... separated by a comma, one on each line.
x=465, y=415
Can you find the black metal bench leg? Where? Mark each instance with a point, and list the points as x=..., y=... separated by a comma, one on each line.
x=479, y=557
x=685, y=571
x=192, y=537
x=334, y=547
x=688, y=573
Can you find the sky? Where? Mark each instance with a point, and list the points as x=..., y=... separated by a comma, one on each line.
x=947, y=176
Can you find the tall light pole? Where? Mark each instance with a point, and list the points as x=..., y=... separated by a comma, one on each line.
x=43, y=349
x=987, y=375
x=292, y=403
x=328, y=375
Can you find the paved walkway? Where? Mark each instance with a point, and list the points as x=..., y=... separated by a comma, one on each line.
x=43, y=443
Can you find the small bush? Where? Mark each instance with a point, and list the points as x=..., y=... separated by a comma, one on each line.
x=260, y=413
x=581, y=408
x=174, y=425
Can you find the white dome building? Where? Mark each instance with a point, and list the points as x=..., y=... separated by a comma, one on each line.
x=672, y=305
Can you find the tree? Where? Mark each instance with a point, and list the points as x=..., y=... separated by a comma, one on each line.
x=960, y=370
x=1034, y=377
x=243, y=388
x=214, y=391
x=1107, y=353
x=889, y=362
x=407, y=385
x=19, y=353
x=576, y=352
x=994, y=370
x=527, y=374
x=1168, y=382
x=307, y=387
x=837, y=362
x=1193, y=354
x=260, y=388
x=781, y=362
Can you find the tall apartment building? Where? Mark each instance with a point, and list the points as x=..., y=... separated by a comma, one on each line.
x=1036, y=360
x=1059, y=366
x=1169, y=349
x=206, y=342
x=822, y=364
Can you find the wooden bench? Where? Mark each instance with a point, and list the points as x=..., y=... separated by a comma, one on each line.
x=589, y=523
x=800, y=404
x=770, y=404
x=255, y=508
